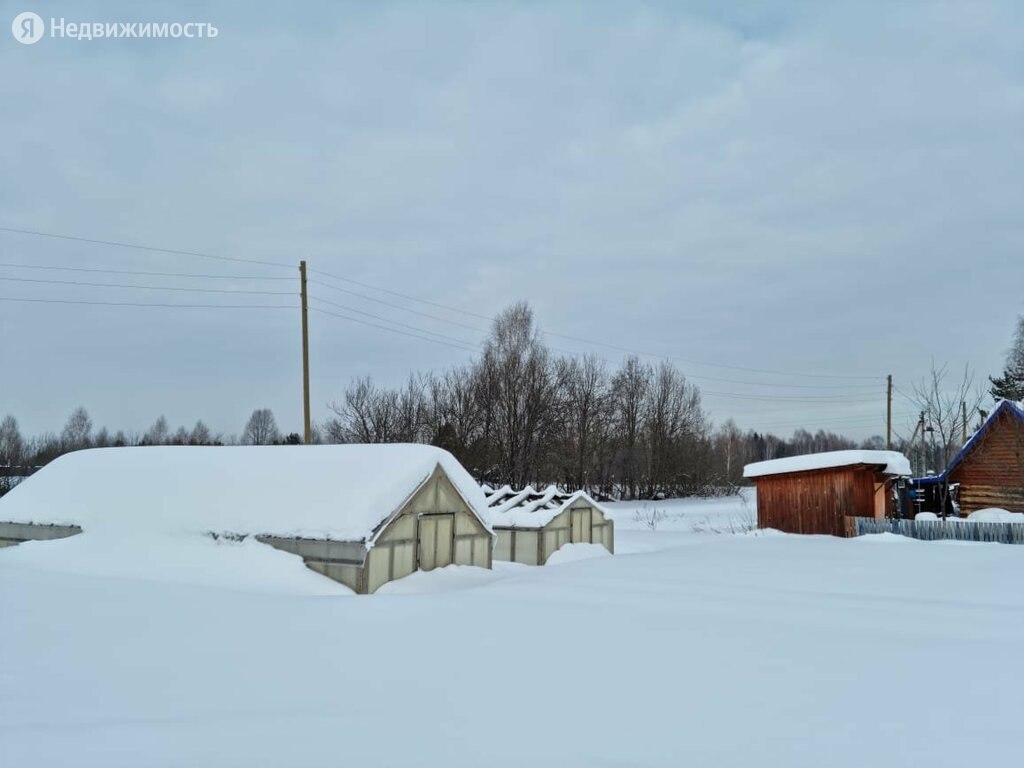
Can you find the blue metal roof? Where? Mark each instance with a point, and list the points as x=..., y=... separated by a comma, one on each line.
x=1005, y=406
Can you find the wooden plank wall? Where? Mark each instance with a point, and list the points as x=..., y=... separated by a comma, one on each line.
x=992, y=475
x=815, y=502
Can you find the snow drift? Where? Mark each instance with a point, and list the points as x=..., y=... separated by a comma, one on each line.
x=341, y=492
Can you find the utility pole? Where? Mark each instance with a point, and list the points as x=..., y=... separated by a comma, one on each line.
x=888, y=413
x=963, y=406
x=924, y=448
x=308, y=436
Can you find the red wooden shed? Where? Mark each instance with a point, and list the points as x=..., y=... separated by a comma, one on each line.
x=814, y=493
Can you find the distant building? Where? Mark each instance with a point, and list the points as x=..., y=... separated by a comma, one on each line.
x=814, y=494
x=531, y=525
x=362, y=515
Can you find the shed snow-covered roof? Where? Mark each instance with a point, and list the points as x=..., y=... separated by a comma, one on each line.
x=893, y=463
x=343, y=492
x=529, y=507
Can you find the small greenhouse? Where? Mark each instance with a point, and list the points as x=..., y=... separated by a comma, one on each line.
x=362, y=515
x=532, y=524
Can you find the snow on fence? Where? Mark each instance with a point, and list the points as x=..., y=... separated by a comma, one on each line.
x=933, y=530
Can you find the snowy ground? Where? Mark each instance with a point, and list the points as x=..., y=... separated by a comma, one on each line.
x=686, y=647
x=730, y=514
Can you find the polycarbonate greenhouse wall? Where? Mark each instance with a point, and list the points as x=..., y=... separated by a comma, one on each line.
x=580, y=523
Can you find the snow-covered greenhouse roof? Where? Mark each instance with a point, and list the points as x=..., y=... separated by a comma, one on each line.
x=530, y=507
x=342, y=492
x=891, y=462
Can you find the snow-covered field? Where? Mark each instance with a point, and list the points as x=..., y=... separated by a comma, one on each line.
x=730, y=514
x=686, y=647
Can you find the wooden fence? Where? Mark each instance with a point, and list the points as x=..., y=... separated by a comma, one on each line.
x=934, y=530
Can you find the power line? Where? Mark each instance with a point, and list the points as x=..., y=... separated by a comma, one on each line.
x=852, y=420
x=144, y=287
x=689, y=361
x=597, y=343
x=139, y=247
x=794, y=399
x=905, y=396
x=877, y=427
x=466, y=312
x=148, y=304
x=575, y=353
x=863, y=421
x=579, y=339
x=393, y=330
x=829, y=399
x=395, y=306
x=143, y=273
x=417, y=329
x=858, y=388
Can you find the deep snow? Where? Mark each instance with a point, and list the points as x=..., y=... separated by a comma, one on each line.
x=340, y=491
x=530, y=507
x=895, y=463
x=684, y=648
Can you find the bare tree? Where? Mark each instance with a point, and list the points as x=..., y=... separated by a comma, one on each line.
x=261, y=429
x=411, y=412
x=730, y=454
x=585, y=401
x=200, y=434
x=12, y=453
x=455, y=416
x=629, y=394
x=520, y=378
x=12, y=444
x=873, y=443
x=77, y=431
x=157, y=434
x=673, y=413
x=944, y=401
x=368, y=414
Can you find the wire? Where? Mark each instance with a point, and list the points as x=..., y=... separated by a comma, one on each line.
x=859, y=388
x=576, y=353
x=596, y=343
x=582, y=340
x=910, y=399
x=149, y=304
x=848, y=422
x=147, y=274
x=139, y=247
x=393, y=330
x=395, y=306
x=690, y=361
x=795, y=399
x=145, y=287
x=417, y=329
x=488, y=318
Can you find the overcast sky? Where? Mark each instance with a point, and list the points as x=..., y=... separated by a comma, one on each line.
x=812, y=188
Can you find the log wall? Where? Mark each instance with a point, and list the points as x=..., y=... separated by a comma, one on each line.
x=992, y=474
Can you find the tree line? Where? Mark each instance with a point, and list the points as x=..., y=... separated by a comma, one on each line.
x=20, y=455
x=520, y=414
